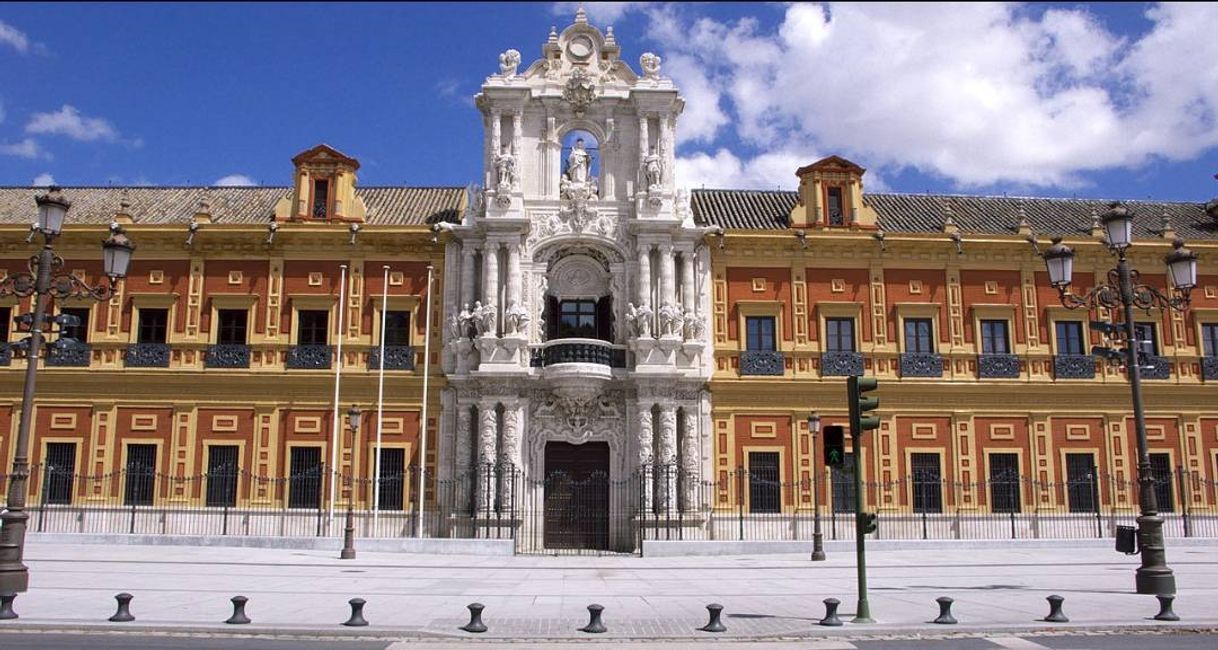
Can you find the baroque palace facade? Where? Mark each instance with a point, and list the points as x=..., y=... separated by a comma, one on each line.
x=590, y=320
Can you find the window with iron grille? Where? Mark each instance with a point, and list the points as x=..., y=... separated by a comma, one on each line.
x=1069, y=337
x=927, y=482
x=314, y=325
x=1162, y=475
x=321, y=198
x=577, y=319
x=78, y=333
x=1209, y=339
x=764, y=487
x=839, y=334
x=1004, y=483
x=843, y=485
x=60, y=472
x=1148, y=345
x=836, y=207
x=1080, y=482
x=154, y=323
x=231, y=326
x=304, y=478
x=141, y=475
x=397, y=328
x=994, y=337
x=919, y=336
x=222, y=475
x=393, y=479
x=759, y=333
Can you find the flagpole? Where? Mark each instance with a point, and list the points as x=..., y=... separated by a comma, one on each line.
x=338, y=375
x=423, y=418
x=380, y=403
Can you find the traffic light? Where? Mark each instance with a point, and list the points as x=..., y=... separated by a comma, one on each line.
x=859, y=405
x=835, y=445
x=868, y=522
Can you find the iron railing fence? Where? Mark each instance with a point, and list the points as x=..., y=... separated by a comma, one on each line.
x=599, y=514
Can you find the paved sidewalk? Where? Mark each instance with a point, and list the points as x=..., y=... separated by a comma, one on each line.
x=996, y=590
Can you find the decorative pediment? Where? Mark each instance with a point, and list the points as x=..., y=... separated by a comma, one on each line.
x=326, y=155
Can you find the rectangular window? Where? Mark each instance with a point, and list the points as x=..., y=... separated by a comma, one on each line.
x=919, y=336
x=764, y=487
x=222, y=475
x=141, y=475
x=153, y=326
x=1148, y=345
x=994, y=339
x=393, y=478
x=1069, y=337
x=760, y=332
x=1161, y=474
x=60, y=472
x=231, y=326
x=577, y=319
x=321, y=198
x=1209, y=339
x=78, y=333
x=304, y=478
x=927, y=482
x=1081, y=487
x=839, y=334
x=836, y=207
x=397, y=328
x=314, y=327
x=843, y=485
x=1004, y=483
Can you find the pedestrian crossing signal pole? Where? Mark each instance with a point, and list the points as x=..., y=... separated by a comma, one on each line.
x=864, y=522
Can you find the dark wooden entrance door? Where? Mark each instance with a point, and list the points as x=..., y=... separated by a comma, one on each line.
x=577, y=496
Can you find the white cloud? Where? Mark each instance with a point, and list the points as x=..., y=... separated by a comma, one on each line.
x=977, y=93
x=42, y=180
x=768, y=171
x=69, y=121
x=27, y=148
x=14, y=37
x=235, y=180
x=600, y=14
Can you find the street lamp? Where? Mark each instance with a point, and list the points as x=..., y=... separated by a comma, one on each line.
x=818, y=549
x=44, y=280
x=1124, y=291
x=348, y=552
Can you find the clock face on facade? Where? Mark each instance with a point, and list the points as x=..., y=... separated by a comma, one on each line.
x=580, y=47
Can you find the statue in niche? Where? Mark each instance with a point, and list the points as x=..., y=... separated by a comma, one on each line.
x=650, y=63
x=483, y=318
x=515, y=319
x=653, y=171
x=672, y=320
x=505, y=176
x=579, y=161
x=642, y=320
x=508, y=62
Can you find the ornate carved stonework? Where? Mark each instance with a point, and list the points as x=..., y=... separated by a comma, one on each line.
x=580, y=91
x=508, y=62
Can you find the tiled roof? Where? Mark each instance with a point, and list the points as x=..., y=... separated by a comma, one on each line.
x=913, y=213
x=235, y=205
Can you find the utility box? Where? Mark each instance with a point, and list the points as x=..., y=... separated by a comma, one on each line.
x=1127, y=539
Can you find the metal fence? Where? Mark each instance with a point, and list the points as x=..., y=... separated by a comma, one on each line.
x=599, y=514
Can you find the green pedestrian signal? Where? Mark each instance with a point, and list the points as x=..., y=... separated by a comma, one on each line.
x=835, y=445
x=859, y=405
x=868, y=522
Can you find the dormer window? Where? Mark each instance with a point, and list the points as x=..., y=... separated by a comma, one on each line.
x=835, y=207
x=321, y=199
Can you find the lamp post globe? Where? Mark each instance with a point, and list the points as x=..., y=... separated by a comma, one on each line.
x=1118, y=226
x=52, y=211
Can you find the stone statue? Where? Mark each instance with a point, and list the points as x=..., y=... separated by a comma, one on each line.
x=465, y=320
x=672, y=321
x=515, y=319
x=632, y=318
x=487, y=318
x=455, y=329
x=695, y=328
x=508, y=62
x=505, y=171
x=652, y=171
x=578, y=163
x=643, y=321
x=650, y=63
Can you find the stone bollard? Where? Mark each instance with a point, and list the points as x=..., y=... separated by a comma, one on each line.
x=238, y=617
x=6, y=606
x=831, y=618
x=1055, y=610
x=945, y=611
x=1165, y=613
x=123, y=614
x=357, y=613
x=475, y=623
x=594, y=626
x=714, y=624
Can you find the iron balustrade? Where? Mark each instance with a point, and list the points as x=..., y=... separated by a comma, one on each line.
x=841, y=364
x=1209, y=368
x=147, y=355
x=581, y=351
x=1155, y=367
x=76, y=356
x=921, y=365
x=397, y=357
x=310, y=357
x=6, y=354
x=762, y=362
x=1073, y=366
x=227, y=355
x=997, y=366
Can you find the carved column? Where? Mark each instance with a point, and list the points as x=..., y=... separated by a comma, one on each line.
x=509, y=456
x=666, y=149
x=490, y=286
x=513, y=274
x=486, y=456
x=668, y=289
x=465, y=438
x=687, y=283
x=496, y=133
x=666, y=496
x=646, y=457
x=644, y=296
x=643, y=137
x=468, y=251
x=691, y=457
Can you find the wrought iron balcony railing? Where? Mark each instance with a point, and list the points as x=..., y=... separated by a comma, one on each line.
x=147, y=355
x=397, y=357
x=580, y=351
x=1073, y=366
x=227, y=355
x=309, y=357
x=1155, y=367
x=997, y=366
x=762, y=362
x=70, y=356
x=841, y=364
x=1209, y=368
x=921, y=365
x=6, y=354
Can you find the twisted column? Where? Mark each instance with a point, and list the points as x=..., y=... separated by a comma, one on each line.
x=486, y=456
x=666, y=497
x=646, y=457
x=490, y=287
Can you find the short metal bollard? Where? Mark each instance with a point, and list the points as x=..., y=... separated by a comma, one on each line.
x=475, y=623
x=357, y=613
x=238, y=617
x=1055, y=610
x=945, y=611
x=714, y=624
x=123, y=614
x=6, y=606
x=831, y=618
x=594, y=626
x=1165, y=613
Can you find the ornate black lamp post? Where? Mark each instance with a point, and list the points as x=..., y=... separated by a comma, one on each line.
x=348, y=552
x=1124, y=291
x=818, y=545
x=44, y=280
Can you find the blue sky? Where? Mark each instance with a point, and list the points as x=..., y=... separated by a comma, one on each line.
x=1094, y=100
